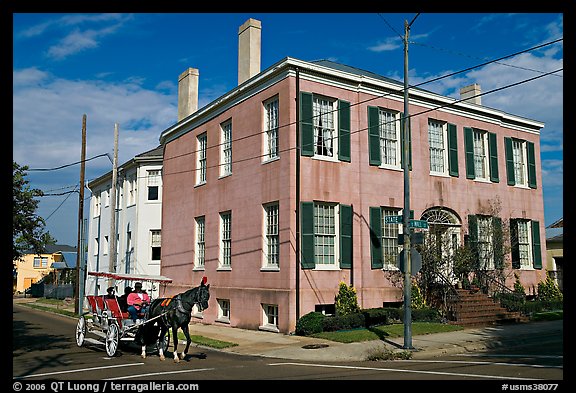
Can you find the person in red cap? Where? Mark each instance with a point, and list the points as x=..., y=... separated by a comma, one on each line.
x=137, y=300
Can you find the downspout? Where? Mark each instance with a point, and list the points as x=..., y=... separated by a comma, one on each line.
x=297, y=194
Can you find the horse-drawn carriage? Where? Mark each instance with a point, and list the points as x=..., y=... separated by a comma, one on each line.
x=108, y=321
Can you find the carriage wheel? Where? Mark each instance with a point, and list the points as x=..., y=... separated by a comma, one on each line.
x=112, y=337
x=80, y=331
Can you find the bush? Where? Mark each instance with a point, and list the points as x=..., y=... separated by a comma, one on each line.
x=548, y=291
x=375, y=316
x=346, y=301
x=343, y=322
x=310, y=323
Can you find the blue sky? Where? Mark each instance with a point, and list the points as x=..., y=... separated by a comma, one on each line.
x=123, y=68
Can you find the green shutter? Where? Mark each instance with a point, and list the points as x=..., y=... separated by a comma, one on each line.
x=469, y=153
x=306, y=124
x=343, y=131
x=473, y=237
x=497, y=242
x=402, y=120
x=536, y=249
x=514, y=245
x=452, y=150
x=493, y=153
x=307, y=212
x=374, y=136
x=377, y=261
x=531, y=165
x=509, y=161
x=346, y=215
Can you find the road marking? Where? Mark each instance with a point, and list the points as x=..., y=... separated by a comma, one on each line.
x=487, y=363
x=79, y=370
x=512, y=356
x=399, y=370
x=159, y=373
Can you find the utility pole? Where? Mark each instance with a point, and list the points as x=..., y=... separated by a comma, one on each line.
x=406, y=212
x=79, y=275
x=112, y=242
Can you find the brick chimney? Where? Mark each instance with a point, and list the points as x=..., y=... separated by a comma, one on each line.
x=468, y=92
x=249, y=44
x=187, y=93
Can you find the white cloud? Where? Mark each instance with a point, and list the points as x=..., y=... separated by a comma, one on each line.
x=47, y=118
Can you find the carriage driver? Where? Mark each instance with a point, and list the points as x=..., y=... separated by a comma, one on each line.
x=137, y=301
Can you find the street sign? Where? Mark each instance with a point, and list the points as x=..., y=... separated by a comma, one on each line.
x=392, y=219
x=418, y=224
x=415, y=261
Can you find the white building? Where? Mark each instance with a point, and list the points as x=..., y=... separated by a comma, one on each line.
x=138, y=222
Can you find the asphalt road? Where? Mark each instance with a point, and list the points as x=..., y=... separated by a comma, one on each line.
x=44, y=349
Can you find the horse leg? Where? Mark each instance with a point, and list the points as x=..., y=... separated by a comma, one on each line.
x=175, y=337
x=161, y=340
x=188, y=341
x=143, y=353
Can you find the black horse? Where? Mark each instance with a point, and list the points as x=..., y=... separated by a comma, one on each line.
x=172, y=313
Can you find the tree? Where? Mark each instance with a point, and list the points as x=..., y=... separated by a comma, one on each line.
x=28, y=229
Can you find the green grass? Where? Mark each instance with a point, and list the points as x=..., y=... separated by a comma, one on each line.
x=548, y=315
x=385, y=331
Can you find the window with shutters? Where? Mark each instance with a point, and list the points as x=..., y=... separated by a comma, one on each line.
x=271, y=124
x=480, y=154
x=437, y=144
x=525, y=244
x=97, y=204
x=325, y=234
x=324, y=120
x=390, y=148
x=390, y=248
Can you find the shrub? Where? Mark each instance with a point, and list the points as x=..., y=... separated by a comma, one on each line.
x=343, y=322
x=310, y=323
x=346, y=301
x=375, y=316
x=549, y=291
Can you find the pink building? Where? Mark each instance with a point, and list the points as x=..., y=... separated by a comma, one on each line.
x=236, y=210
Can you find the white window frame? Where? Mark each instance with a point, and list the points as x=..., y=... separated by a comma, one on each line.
x=106, y=198
x=390, y=232
x=105, y=245
x=200, y=243
x=223, y=310
x=153, y=179
x=226, y=148
x=324, y=119
x=271, y=236
x=525, y=244
x=96, y=246
x=270, y=317
x=437, y=142
x=155, y=241
x=201, y=162
x=520, y=159
x=389, y=130
x=485, y=242
x=481, y=152
x=323, y=232
x=271, y=129
x=131, y=184
x=225, y=260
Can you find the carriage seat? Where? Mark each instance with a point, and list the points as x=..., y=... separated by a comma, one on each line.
x=114, y=308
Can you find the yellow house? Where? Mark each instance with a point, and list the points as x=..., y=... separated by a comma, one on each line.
x=555, y=252
x=32, y=267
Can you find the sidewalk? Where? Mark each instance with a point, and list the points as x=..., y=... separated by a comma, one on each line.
x=278, y=345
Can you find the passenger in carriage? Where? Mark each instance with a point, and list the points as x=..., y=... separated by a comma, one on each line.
x=123, y=300
x=137, y=300
x=110, y=293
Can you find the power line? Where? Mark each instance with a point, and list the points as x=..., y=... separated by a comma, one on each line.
x=67, y=165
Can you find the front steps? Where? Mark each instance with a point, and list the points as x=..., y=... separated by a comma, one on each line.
x=475, y=308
